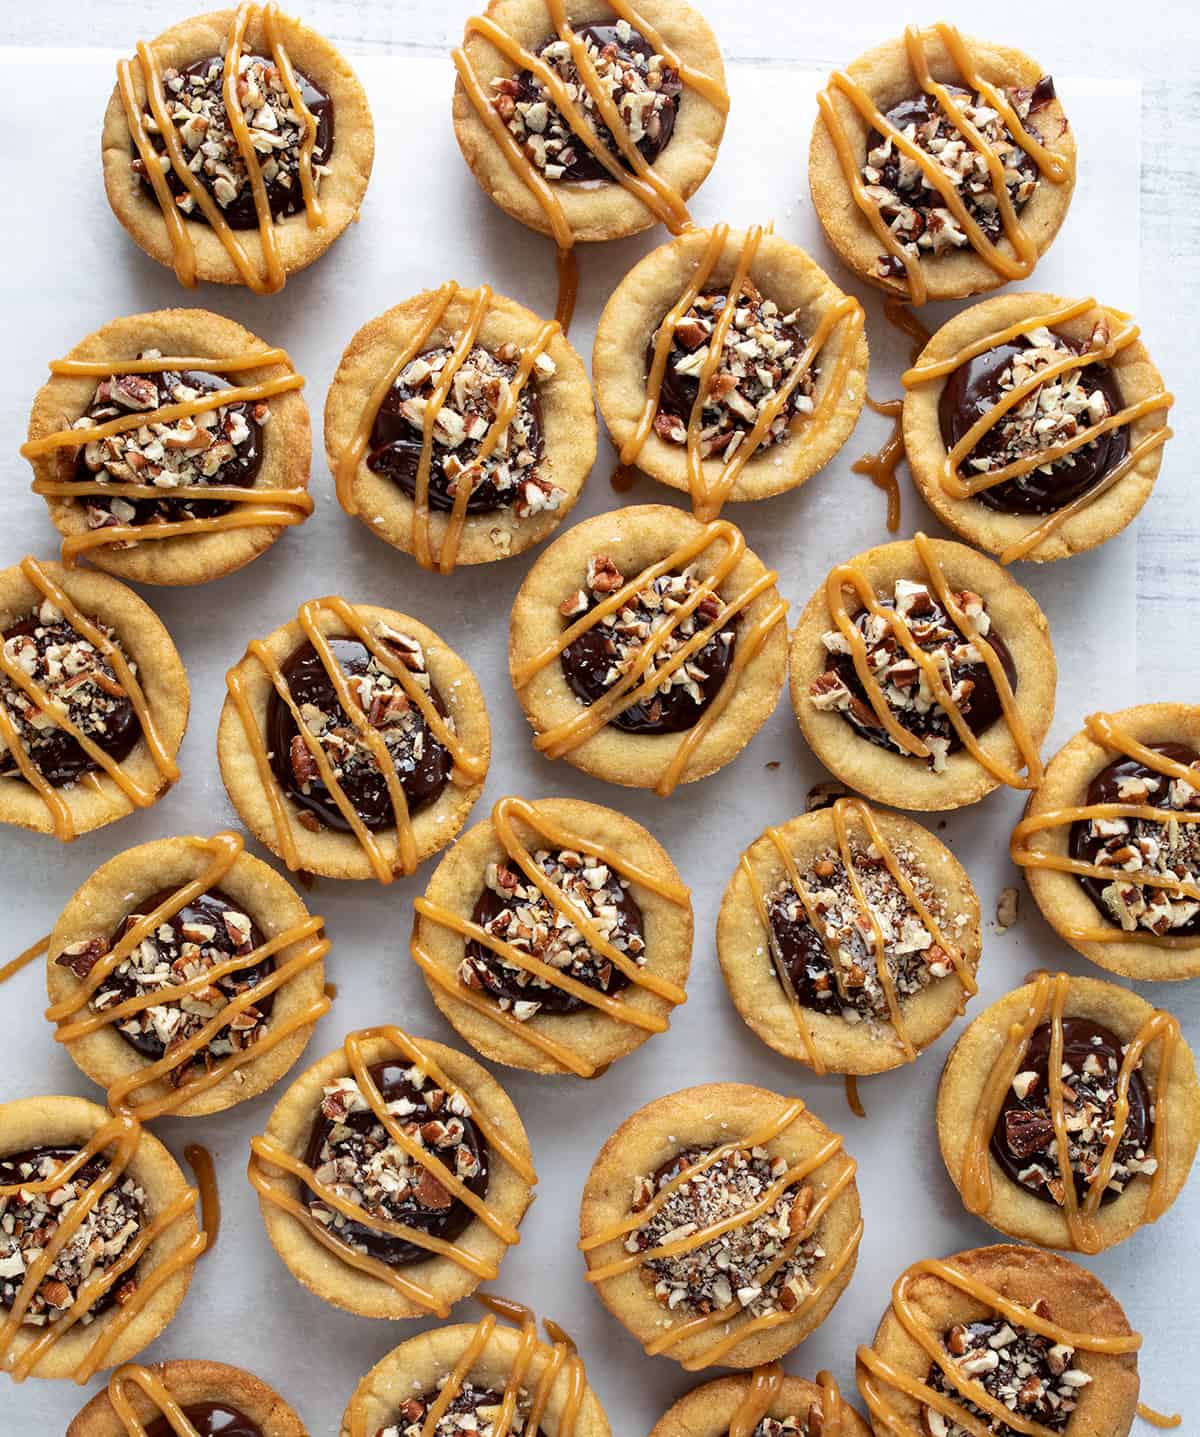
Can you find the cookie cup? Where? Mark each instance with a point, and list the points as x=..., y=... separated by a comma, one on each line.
x=709, y=1411
x=194, y=1381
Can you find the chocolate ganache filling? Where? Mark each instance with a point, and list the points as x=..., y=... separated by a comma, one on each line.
x=599, y=658
x=196, y=106
x=422, y=763
x=218, y=446
x=210, y=1419
x=64, y=664
x=471, y=1413
x=513, y=909
x=1131, y=847
x=642, y=86
x=1023, y=1141
x=351, y=1152
x=1052, y=414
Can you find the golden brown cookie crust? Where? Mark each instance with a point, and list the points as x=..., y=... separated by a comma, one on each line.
x=418, y=1365
x=989, y=528
x=71, y=1122
x=783, y=273
x=160, y=672
x=707, y=1411
x=1076, y=1300
x=339, y=855
x=606, y=210
x=885, y=74
x=568, y=425
x=859, y=1048
x=908, y=782
x=709, y=1116
x=456, y=884
x=1064, y=904
x=341, y=191
x=286, y=455
x=322, y=1271
x=634, y=538
x=98, y=909
x=194, y=1380
x=1013, y=1209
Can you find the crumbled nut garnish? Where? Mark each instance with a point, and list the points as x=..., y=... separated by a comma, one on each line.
x=473, y=1412
x=29, y=1222
x=1006, y=908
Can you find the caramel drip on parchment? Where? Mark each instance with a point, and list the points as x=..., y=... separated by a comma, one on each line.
x=137, y=794
x=200, y=1160
x=1049, y=997
x=1159, y=1419
x=267, y=1154
x=640, y=682
x=1107, y=731
x=874, y=1368
x=725, y=1317
x=22, y=960
x=901, y=317
x=224, y=849
x=956, y=486
x=709, y=495
x=763, y=1389
x=880, y=467
x=155, y=1390
x=507, y=813
x=183, y=249
x=853, y=1101
x=119, y=1134
x=852, y=576
x=273, y=506
x=1055, y=168
x=641, y=180
x=468, y=768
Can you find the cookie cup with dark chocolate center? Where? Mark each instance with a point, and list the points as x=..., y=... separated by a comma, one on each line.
x=145, y=643
x=744, y=950
x=341, y=190
x=567, y=413
x=783, y=273
x=322, y=1271
x=334, y=854
x=990, y=529
x=886, y=76
x=1013, y=1208
x=708, y=1411
x=176, y=333
x=98, y=910
x=705, y=1118
x=907, y=781
x=602, y=210
x=1064, y=904
x=67, y=1122
x=597, y=1037
x=418, y=1367
x=194, y=1381
x=1074, y=1298
x=634, y=539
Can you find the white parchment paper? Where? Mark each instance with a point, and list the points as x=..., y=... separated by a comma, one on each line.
x=68, y=268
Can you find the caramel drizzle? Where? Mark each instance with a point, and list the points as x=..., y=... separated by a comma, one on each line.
x=725, y=1317
x=22, y=960
x=901, y=317
x=842, y=810
x=709, y=496
x=225, y=850
x=183, y=249
x=138, y=795
x=1050, y=994
x=277, y=507
x=639, y=682
x=120, y=1133
x=956, y=486
x=200, y=1160
x=265, y=1152
x=1055, y=168
x=468, y=768
x=505, y=816
x=852, y=576
x=662, y=200
x=155, y=1390
x=1107, y=731
x=875, y=1368
x=880, y=467
x=764, y=1387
